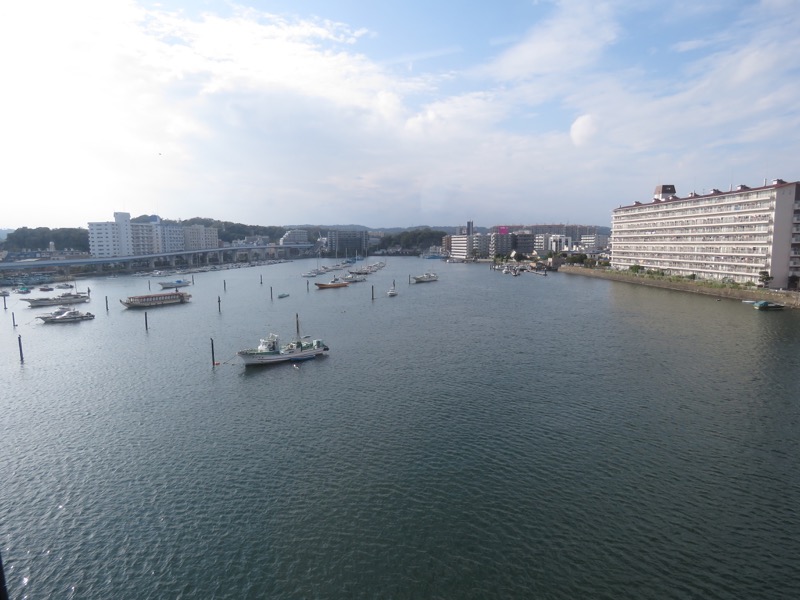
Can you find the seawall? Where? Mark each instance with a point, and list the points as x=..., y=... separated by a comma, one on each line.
x=790, y=299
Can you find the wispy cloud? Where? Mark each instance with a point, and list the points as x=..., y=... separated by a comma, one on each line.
x=271, y=119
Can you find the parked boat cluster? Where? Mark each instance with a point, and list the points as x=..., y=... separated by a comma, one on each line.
x=354, y=274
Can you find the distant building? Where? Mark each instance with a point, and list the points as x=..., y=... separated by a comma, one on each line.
x=122, y=237
x=294, y=237
x=348, y=242
x=733, y=235
x=594, y=242
x=500, y=244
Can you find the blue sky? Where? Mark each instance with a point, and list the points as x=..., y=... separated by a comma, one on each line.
x=389, y=114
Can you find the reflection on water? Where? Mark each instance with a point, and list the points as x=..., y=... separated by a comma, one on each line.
x=481, y=436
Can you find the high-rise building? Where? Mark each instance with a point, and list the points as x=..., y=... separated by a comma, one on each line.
x=348, y=242
x=735, y=235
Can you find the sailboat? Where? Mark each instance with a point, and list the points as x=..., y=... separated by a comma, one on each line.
x=392, y=290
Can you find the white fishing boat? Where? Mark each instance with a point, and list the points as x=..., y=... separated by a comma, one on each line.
x=392, y=291
x=425, y=277
x=66, y=298
x=66, y=316
x=269, y=350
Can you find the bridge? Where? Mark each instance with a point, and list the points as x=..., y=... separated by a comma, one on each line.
x=180, y=259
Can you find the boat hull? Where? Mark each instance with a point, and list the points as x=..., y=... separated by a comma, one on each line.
x=325, y=286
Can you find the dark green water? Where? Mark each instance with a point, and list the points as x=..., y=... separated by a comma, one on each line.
x=484, y=436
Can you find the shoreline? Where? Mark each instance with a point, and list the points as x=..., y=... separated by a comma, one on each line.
x=789, y=299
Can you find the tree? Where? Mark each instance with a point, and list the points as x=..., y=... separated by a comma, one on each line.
x=764, y=278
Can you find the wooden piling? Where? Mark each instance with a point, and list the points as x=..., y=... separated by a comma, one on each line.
x=21, y=355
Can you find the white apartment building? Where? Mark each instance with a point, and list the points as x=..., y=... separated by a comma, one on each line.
x=460, y=246
x=720, y=235
x=111, y=238
x=124, y=238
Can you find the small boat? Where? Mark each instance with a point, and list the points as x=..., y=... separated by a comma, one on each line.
x=333, y=283
x=270, y=351
x=66, y=316
x=151, y=300
x=65, y=298
x=283, y=295
x=178, y=283
x=354, y=278
x=425, y=278
x=767, y=305
x=45, y=288
x=65, y=286
x=392, y=291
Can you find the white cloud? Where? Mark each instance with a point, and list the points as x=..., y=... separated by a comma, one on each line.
x=260, y=118
x=583, y=129
x=572, y=39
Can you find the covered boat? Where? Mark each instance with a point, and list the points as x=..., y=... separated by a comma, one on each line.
x=151, y=300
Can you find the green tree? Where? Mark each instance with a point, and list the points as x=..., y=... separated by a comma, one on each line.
x=764, y=278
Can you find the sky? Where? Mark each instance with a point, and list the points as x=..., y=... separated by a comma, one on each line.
x=389, y=114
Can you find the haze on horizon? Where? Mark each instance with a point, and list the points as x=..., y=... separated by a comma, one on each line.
x=435, y=113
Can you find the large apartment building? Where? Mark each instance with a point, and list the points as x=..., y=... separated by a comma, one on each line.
x=121, y=237
x=734, y=235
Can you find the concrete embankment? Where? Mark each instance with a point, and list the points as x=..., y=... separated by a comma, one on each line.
x=790, y=299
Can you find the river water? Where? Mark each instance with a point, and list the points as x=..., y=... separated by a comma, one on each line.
x=483, y=436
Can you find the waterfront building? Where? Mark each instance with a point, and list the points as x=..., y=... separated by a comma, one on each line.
x=460, y=246
x=199, y=237
x=348, y=242
x=500, y=244
x=111, y=238
x=480, y=245
x=122, y=237
x=732, y=236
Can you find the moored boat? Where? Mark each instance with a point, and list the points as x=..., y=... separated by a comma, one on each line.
x=151, y=300
x=333, y=283
x=425, y=277
x=270, y=351
x=392, y=291
x=69, y=315
x=767, y=305
x=66, y=298
x=178, y=283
